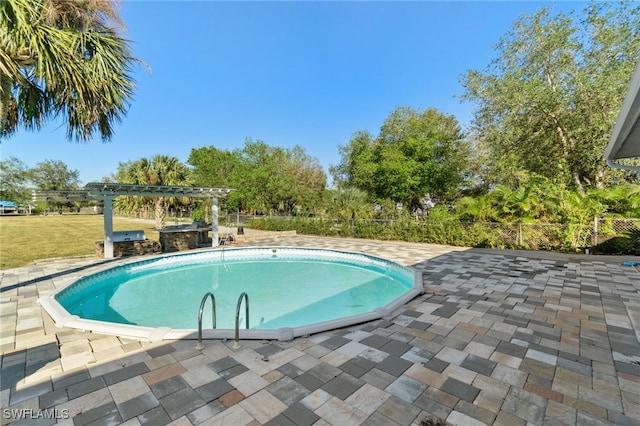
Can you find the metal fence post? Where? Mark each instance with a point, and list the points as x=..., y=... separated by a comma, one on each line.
x=520, y=236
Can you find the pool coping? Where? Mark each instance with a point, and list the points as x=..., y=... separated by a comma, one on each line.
x=62, y=318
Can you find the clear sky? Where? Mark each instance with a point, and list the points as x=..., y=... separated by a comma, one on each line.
x=287, y=73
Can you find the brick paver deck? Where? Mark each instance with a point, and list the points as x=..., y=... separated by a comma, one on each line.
x=498, y=337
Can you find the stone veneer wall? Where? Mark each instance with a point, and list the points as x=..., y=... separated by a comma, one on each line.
x=130, y=248
x=178, y=241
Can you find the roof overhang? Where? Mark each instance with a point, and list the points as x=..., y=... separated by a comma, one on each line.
x=625, y=139
x=96, y=191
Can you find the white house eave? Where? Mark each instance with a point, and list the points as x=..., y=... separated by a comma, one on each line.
x=625, y=138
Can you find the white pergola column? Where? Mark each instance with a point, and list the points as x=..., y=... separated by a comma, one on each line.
x=108, y=226
x=214, y=221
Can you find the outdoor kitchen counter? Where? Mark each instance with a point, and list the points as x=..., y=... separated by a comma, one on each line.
x=183, y=237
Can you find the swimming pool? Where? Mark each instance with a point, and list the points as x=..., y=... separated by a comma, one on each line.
x=291, y=292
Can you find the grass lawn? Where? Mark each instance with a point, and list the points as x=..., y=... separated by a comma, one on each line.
x=24, y=239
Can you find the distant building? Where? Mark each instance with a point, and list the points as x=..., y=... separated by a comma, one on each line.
x=8, y=207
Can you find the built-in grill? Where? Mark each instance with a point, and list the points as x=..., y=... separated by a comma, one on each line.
x=135, y=235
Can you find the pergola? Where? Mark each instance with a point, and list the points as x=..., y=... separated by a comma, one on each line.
x=106, y=192
x=625, y=138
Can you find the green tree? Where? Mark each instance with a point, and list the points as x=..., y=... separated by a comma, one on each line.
x=416, y=154
x=14, y=181
x=260, y=176
x=304, y=181
x=54, y=175
x=160, y=170
x=546, y=105
x=212, y=167
x=266, y=178
x=63, y=58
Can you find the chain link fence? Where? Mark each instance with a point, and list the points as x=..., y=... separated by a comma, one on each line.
x=603, y=235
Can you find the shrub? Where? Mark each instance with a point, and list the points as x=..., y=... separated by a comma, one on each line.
x=464, y=234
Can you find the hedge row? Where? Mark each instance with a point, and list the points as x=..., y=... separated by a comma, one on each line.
x=462, y=234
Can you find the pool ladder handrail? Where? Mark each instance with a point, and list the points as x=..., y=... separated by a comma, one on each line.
x=199, y=345
x=236, y=344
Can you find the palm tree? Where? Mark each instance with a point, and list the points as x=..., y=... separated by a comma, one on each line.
x=350, y=204
x=477, y=209
x=621, y=199
x=160, y=170
x=63, y=58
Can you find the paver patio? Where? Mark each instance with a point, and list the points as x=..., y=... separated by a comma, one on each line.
x=498, y=337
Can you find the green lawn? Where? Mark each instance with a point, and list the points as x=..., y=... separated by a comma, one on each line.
x=24, y=239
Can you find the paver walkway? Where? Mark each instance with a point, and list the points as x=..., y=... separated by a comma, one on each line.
x=498, y=337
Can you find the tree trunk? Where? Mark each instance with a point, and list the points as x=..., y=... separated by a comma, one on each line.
x=160, y=212
x=566, y=148
x=600, y=178
x=5, y=97
x=579, y=186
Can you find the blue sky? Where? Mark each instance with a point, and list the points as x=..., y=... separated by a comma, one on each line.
x=286, y=73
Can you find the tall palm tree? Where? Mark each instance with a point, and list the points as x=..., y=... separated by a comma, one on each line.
x=63, y=58
x=160, y=170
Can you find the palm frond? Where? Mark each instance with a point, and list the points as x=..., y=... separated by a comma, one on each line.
x=68, y=54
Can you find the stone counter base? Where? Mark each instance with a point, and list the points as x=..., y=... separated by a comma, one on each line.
x=130, y=248
x=178, y=241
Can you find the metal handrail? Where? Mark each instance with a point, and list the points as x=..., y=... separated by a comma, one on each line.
x=199, y=345
x=236, y=345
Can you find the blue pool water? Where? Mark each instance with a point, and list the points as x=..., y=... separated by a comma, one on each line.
x=286, y=288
